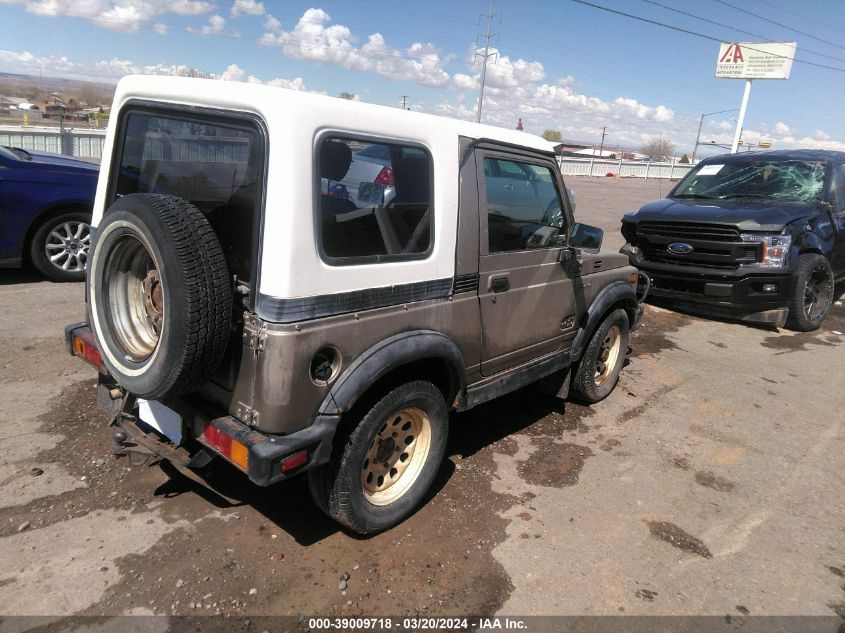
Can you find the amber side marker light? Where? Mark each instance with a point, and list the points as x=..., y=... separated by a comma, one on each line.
x=226, y=445
x=87, y=351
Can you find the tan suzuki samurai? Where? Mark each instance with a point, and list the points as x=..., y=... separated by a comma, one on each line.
x=303, y=284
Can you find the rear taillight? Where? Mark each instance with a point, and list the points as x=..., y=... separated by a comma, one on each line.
x=84, y=348
x=385, y=177
x=226, y=445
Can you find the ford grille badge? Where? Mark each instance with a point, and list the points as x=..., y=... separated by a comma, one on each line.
x=680, y=248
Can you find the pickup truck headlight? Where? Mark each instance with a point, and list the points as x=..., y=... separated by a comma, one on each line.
x=775, y=249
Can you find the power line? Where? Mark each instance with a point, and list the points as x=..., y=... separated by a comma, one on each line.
x=765, y=19
x=701, y=35
x=733, y=28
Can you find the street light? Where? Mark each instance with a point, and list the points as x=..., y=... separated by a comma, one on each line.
x=700, y=123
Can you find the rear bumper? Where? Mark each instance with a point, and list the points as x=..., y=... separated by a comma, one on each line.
x=265, y=452
x=758, y=296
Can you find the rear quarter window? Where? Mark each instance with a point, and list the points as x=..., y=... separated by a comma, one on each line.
x=374, y=201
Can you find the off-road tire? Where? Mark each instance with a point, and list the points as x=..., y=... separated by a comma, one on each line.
x=45, y=238
x=588, y=385
x=338, y=488
x=174, y=242
x=810, y=266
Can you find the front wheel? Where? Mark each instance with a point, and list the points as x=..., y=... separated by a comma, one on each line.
x=59, y=248
x=599, y=368
x=379, y=476
x=812, y=293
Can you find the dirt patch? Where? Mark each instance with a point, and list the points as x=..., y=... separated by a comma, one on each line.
x=610, y=443
x=676, y=537
x=789, y=343
x=743, y=610
x=637, y=411
x=646, y=594
x=653, y=336
x=274, y=552
x=681, y=462
x=553, y=464
x=711, y=480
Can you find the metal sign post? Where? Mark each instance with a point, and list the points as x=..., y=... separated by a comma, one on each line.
x=741, y=118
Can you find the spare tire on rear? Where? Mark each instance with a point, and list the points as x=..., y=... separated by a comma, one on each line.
x=159, y=295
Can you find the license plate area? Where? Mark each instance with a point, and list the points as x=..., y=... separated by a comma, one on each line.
x=161, y=418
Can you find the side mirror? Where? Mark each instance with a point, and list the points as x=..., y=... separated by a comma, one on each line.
x=586, y=237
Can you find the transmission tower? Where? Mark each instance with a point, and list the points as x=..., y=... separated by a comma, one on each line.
x=486, y=55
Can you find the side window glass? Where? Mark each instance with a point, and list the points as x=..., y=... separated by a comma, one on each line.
x=524, y=210
x=375, y=200
x=837, y=190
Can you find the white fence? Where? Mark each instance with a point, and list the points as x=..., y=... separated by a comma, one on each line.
x=622, y=168
x=89, y=144
x=74, y=142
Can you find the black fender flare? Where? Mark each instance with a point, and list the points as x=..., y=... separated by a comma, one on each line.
x=387, y=355
x=618, y=291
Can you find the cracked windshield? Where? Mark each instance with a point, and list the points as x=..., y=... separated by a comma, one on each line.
x=791, y=181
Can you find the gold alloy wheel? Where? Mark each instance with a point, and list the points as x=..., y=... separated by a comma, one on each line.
x=608, y=354
x=396, y=456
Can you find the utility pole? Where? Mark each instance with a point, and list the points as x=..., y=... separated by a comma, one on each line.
x=404, y=102
x=603, y=134
x=490, y=15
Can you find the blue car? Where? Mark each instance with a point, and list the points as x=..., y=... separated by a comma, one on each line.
x=45, y=212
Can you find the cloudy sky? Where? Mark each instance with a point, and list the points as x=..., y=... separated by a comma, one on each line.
x=558, y=64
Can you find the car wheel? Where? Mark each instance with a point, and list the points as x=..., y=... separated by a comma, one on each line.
x=598, y=371
x=812, y=293
x=380, y=474
x=59, y=248
x=159, y=295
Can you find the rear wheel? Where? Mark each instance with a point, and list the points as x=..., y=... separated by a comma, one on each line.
x=812, y=293
x=59, y=248
x=379, y=476
x=600, y=366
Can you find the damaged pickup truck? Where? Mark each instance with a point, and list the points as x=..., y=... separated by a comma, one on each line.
x=757, y=236
x=241, y=306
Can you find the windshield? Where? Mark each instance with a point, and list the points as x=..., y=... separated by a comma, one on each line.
x=788, y=180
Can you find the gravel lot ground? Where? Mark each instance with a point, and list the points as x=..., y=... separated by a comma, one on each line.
x=709, y=483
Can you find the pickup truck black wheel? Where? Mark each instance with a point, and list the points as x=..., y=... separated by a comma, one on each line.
x=159, y=295
x=379, y=475
x=59, y=248
x=812, y=293
x=599, y=367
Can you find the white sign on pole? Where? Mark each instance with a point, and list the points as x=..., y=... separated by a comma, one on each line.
x=751, y=60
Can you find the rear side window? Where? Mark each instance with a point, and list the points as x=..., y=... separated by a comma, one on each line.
x=375, y=201
x=216, y=165
x=523, y=206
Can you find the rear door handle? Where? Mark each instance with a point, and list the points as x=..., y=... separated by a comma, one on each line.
x=509, y=187
x=500, y=284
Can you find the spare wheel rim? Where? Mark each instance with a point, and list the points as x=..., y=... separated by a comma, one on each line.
x=135, y=302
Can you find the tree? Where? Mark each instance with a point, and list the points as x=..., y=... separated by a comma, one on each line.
x=684, y=159
x=346, y=95
x=658, y=149
x=553, y=135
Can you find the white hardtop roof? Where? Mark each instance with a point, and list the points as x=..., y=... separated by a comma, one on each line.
x=263, y=99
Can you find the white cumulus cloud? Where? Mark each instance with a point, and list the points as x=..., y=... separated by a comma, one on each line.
x=247, y=7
